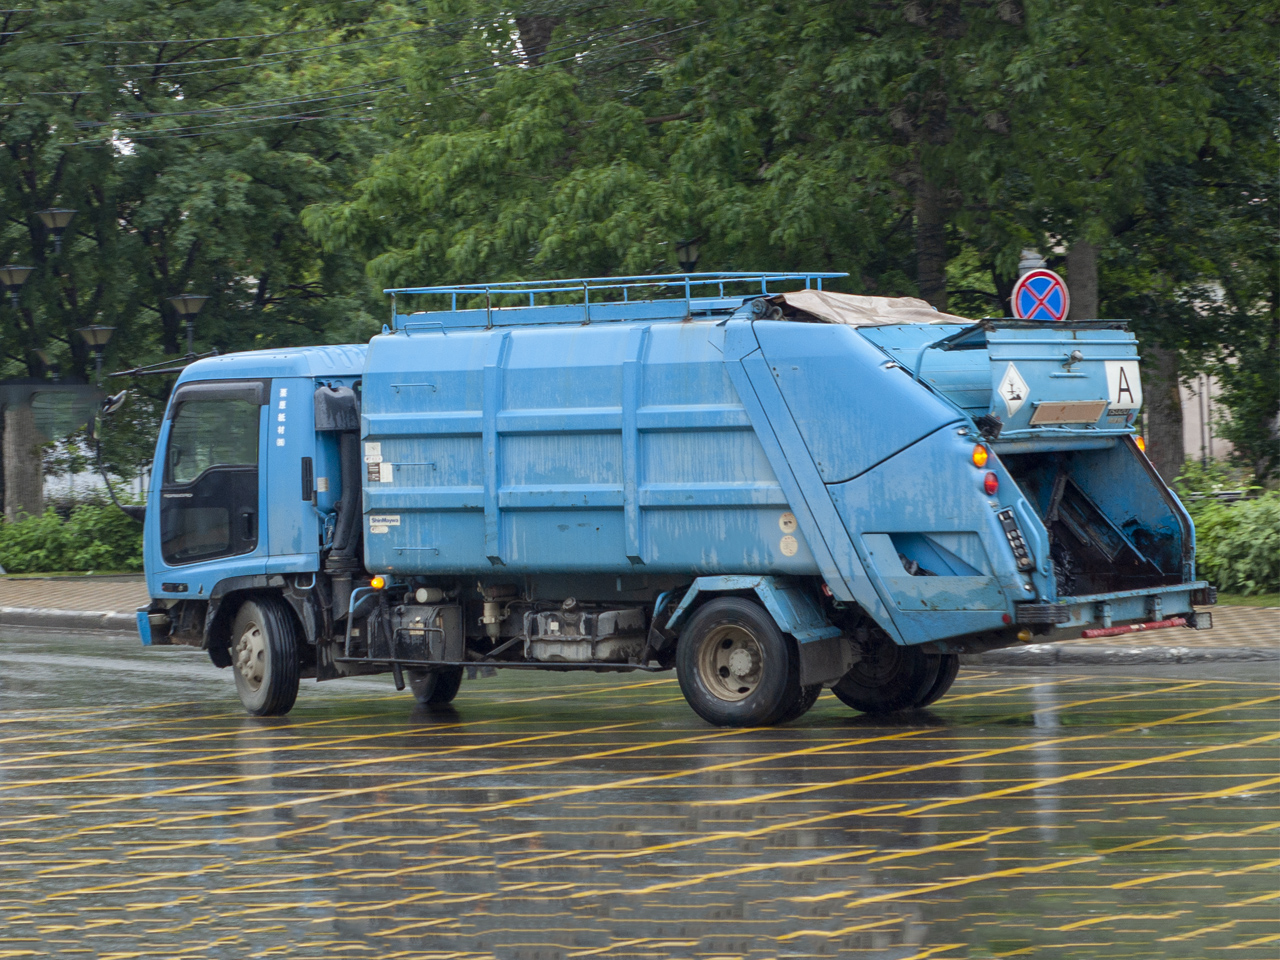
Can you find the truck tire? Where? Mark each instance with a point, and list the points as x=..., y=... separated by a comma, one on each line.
x=435, y=688
x=889, y=677
x=808, y=697
x=948, y=668
x=265, y=648
x=735, y=667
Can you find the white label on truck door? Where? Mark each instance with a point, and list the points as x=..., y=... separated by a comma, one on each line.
x=1124, y=384
x=386, y=473
x=1012, y=390
x=373, y=450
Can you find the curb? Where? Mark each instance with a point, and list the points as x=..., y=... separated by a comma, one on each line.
x=1052, y=654
x=42, y=618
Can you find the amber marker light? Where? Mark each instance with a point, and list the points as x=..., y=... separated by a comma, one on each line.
x=980, y=455
x=1142, y=444
x=378, y=583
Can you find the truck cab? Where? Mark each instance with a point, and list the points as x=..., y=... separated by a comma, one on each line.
x=771, y=492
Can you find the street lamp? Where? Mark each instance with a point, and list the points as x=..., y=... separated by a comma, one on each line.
x=687, y=255
x=188, y=305
x=96, y=337
x=12, y=277
x=57, y=219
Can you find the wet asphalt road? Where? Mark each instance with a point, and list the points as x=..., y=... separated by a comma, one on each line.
x=1104, y=813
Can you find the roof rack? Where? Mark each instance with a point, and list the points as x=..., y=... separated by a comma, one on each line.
x=684, y=286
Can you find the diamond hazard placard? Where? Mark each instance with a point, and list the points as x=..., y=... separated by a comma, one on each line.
x=1013, y=390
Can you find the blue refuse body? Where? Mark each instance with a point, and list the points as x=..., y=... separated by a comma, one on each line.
x=768, y=486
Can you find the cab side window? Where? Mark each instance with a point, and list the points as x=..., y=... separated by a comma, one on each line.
x=212, y=433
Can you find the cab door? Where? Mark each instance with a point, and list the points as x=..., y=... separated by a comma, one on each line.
x=209, y=487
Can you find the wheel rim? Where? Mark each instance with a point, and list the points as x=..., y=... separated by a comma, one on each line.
x=251, y=656
x=879, y=664
x=731, y=662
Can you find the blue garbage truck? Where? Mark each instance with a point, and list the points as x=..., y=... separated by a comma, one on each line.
x=770, y=487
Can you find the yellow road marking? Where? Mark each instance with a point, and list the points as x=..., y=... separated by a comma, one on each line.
x=870, y=925
x=983, y=755
x=1269, y=938
x=1092, y=921
x=1160, y=876
x=1195, y=933
x=1216, y=794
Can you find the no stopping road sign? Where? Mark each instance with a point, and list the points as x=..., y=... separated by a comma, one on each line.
x=1040, y=295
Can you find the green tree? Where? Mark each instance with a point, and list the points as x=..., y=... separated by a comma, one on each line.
x=188, y=139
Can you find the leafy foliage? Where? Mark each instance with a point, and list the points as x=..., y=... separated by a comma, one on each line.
x=280, y=157
x=1238, y=544
x=919, y=146
x=96, y=536
x=188, y=139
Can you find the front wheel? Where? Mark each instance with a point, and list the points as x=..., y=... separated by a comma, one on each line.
x=265, y=648
x=735, y=667
x=435, y=688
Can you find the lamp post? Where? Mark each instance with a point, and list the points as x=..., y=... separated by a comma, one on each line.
x=188, y=305
x=687, y=255
x=96, y=337
x=57, y=219
x=51, y=365
x=12, y=277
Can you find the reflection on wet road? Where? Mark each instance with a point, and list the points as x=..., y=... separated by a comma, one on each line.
x=1051, y=814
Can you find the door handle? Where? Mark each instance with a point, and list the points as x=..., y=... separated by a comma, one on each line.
x=249, y=519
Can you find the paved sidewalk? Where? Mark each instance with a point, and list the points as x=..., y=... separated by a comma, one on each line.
x=73, y=603
x=1239, y=633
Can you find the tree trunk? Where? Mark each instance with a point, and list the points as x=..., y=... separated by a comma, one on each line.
x=931, y=244
x=535, y=36
x=1082, y=278
x=1164, y=412
x=23, y=469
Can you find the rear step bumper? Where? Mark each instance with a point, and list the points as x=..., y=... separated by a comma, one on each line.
x=1134, y=628
x=1105, y=610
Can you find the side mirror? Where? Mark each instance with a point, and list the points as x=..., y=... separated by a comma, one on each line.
x=113, y=403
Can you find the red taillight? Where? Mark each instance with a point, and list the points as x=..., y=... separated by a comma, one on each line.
x=991, y=483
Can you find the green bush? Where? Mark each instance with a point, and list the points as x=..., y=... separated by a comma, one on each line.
x=1238, y=544
x=94, y=537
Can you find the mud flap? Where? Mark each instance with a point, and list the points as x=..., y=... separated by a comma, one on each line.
x=825, y=660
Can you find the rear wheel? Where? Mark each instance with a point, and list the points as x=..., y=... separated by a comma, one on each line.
x=736, y=668
x=948, y=668
x=435, y=688
x=889, y=677
x=265, y=646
